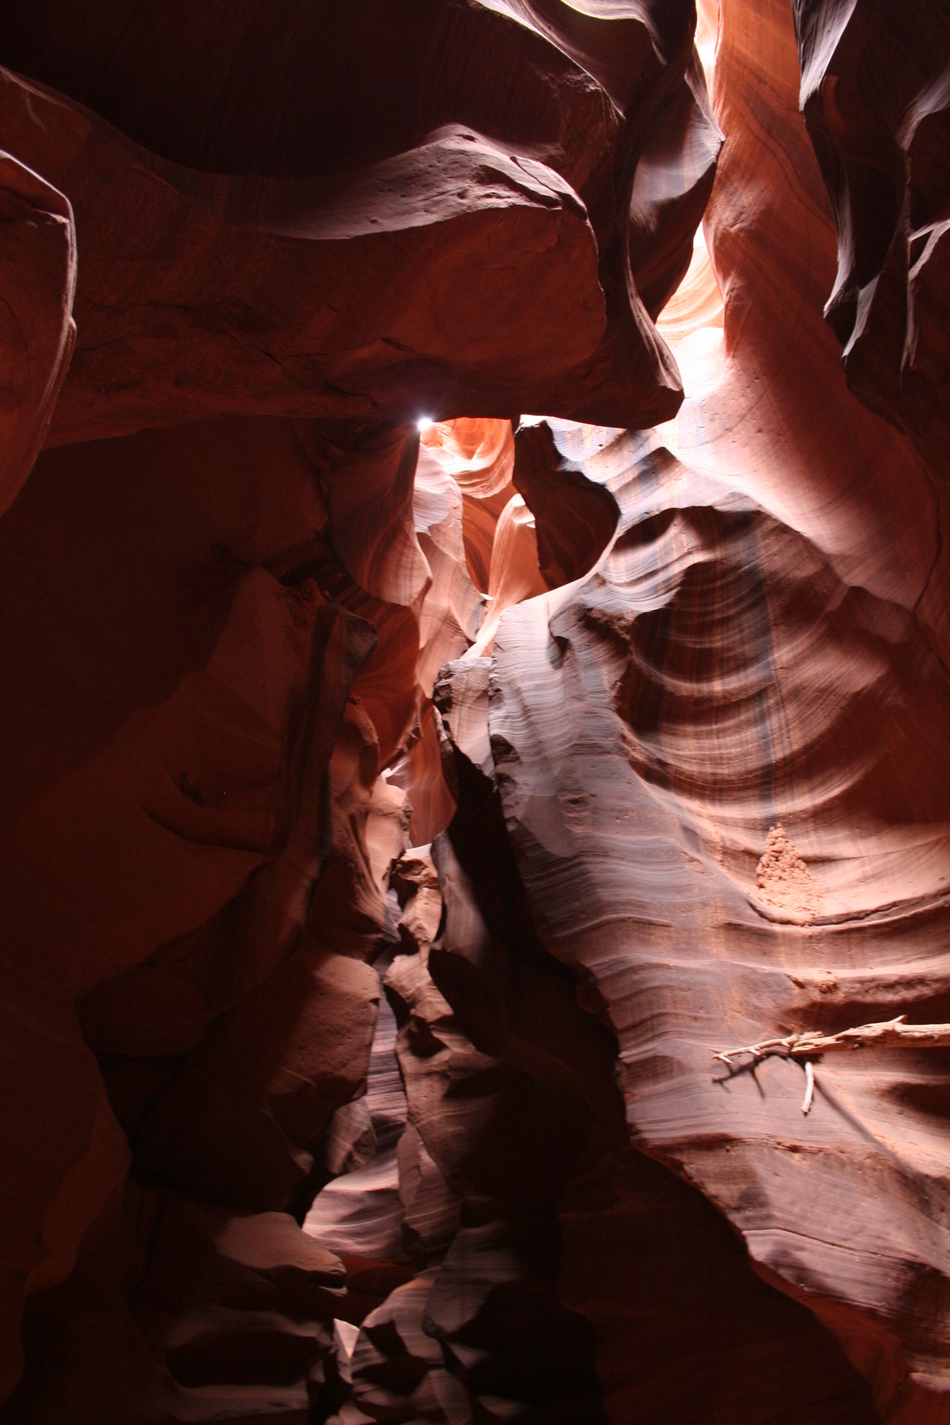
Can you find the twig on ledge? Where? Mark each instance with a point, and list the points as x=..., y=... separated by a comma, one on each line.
x=889, y=1034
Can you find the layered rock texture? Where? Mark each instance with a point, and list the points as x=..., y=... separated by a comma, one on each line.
x=476, y=642
x=876, y=97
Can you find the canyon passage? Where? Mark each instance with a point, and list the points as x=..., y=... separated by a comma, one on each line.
x=475, y=733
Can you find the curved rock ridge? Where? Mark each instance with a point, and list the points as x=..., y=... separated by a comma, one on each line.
x=601, y=116
x=483, y=550
x=239, y=1333
x=700, y=779
x=575, y=518
x=487, y=984
x=692, y=323
x=310, y=296
x=479, y=454
x=876, y=97
x=824, y=466
x=37, y=286
x=613, y=707
x=729, y=816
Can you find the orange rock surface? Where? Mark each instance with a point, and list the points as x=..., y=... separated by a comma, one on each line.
x=475, y=628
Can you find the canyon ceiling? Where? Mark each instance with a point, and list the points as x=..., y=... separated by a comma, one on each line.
x=475, y=734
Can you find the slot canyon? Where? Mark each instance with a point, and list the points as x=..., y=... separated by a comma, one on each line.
x=475, y=730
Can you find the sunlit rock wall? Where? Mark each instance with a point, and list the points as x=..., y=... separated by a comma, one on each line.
x=472, y=654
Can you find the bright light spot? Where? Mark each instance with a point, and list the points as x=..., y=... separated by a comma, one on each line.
x=530, y=421
x=425, y=423
x=347, y=1334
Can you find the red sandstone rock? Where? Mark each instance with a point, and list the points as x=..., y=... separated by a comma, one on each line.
x=515, y=572
x=236, y=1123
x=210, y=735
x=605, y=839
x=278, y=257
x=121, y=562
x=64, y=1155
x=753, y=1355
x=718, y=745
x=154, y=836
x=876, y=96
x=487, y=1302
x=680, y=693
x=227, y=1318
x=611, y=101
x=417, y=884
x=420, y=772
x=478, y=454
x=370, y=823
x=37, y=285
x=453, y=609
x=575, y=519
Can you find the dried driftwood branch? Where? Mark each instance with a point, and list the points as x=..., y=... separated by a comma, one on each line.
x=809, y=1086
x=890, y=1034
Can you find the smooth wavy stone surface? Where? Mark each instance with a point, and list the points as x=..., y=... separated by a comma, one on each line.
x=308, y=297
x=721, y=770
x=876, y=96
x=359, y=1213
x=530, y=1118
x=722, y=765
x=610, y=104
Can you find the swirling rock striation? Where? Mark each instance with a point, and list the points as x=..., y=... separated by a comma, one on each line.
x=876, y=97
x=405, y=795
x=649, y=737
